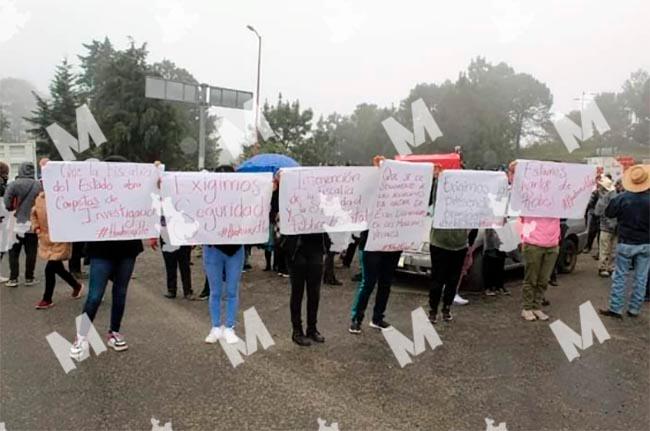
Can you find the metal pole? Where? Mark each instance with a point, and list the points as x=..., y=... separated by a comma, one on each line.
x=257, y=95
x=257, y=92
x=202, y=118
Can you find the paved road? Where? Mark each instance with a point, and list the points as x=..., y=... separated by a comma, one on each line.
x=491, y=364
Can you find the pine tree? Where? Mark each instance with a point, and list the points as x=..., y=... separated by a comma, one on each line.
x=64, y=99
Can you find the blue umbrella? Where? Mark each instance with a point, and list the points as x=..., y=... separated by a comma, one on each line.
x=267, y=163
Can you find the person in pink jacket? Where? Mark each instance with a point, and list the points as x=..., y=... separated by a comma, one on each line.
x=540, y=237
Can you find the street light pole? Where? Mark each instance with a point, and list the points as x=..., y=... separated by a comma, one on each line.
x=257, y=92
x=203, y=107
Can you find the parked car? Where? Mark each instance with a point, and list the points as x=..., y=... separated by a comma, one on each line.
x=419, y=261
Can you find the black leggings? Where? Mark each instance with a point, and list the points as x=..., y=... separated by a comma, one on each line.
x=53, y=268
x=493, y=270
x=305, y=271
x=446, y=266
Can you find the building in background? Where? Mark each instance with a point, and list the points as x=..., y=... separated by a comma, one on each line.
x=14, y=154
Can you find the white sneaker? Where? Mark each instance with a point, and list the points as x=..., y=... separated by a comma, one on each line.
x=528, y=315
x=116, y=341
x=540, y=314
x=4, y=279
x=230, y=336
x=214, y=335
x=79, y=348
x=459, y=300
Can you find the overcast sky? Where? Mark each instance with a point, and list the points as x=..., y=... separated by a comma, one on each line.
x=334, y=55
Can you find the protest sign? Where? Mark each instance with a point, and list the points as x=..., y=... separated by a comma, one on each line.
x=399, y=212
x=216, y=208
x=509, y=235
x=326, y=199
x=463, y=199
x=7, y=231
x=549, y=189
x=100, y=201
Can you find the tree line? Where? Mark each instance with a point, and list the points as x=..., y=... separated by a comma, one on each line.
x=493, y=112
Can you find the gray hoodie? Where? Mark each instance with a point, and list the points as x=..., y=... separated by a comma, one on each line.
x=606, y=224
x=22, y=192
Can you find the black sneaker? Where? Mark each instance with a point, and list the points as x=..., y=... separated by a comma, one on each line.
x=355, y=327
x=170, y=295
x=299, y=338
x=446, y=315
x=315, y=336
x=382, y=324
x=607, y=312
x=633, y=315
x=504, y=291
x=433, y=317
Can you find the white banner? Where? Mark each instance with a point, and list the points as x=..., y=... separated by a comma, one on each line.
x=326, y=199
x=467, y=199
x=7, y=224
x=399, y=216
x=99, y=201
x=217, y=208
x=549, y=189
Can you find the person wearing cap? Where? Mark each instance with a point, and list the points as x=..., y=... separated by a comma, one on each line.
x=607, y=237
x=632, y=211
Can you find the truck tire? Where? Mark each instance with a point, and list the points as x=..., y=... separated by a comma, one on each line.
x=568, y=255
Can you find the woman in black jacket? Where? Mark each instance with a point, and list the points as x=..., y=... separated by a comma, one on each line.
x=304, y=254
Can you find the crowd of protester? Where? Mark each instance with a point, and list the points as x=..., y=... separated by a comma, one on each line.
x=618, y=217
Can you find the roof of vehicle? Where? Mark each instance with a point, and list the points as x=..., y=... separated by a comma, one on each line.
x=445, y=161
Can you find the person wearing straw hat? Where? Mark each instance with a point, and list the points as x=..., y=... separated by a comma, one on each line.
x=632, y=211
x=607, y=237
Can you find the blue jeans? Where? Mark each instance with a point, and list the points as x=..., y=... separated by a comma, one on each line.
x=101, y=271
x=214, y=263
x=626, y=255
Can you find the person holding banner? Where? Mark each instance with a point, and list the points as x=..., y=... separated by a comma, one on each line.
x=54, y=253
x=377, y=267
x=447, y=248
x=304, y=254
x=223, y=261
x=540, y=237
x=632, y=210
x=109, y=260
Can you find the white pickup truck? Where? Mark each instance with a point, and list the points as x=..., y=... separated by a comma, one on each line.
x=419, y=261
